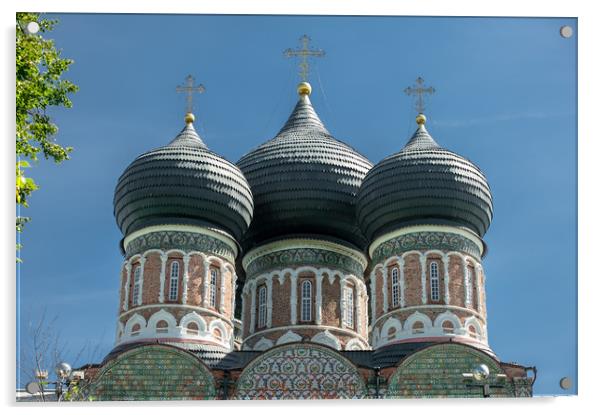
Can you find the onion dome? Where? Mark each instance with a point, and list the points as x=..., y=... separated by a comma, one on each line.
x=424, y=184
x=183, y=183
x=304, y=182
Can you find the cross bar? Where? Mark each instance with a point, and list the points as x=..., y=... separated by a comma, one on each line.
x=304, y=53
x=189, y=89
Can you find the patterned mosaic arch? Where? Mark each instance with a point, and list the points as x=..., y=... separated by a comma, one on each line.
x=154, y=372
x=300, y=371
x=436, y=372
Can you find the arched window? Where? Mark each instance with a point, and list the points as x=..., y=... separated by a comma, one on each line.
x=348, y=306
x=217, y=333
x=469, y=280
x=192, y=328
x=448, y=327
x=418, y=327
x=213, y=288
x=162, y=326
x=136, y=291
x=174, y=276
x=391, y=333
x=262, y=307
x=395, y=287
x=135, y=330
x=434, y=281
x=306, y=300
x=472, y=332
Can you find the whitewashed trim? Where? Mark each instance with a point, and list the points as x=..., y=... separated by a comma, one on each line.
x=222, y=288
x=253, y=306
x=332, y=329
x=294, y=299
x=126, y=296
x=423, y=277
x=206, y=276
x=328, y=339
x=194, y=317
x=269, y=303
x=164, y=257
x=200, y=310
x=385, y=277
x=186, y=260
x=373, y=295
x=141, y=290
x=289, y=337
x=263, y=344
x=426, y=307
x=319, y=278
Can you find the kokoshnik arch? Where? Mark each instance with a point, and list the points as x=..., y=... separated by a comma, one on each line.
x=303, y=271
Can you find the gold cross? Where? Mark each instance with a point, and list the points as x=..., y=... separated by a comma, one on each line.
x=419, y=91
x=303, y=54
x=189, y=89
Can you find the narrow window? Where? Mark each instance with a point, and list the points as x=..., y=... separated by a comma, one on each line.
x=469, y=287
x=434, y=281
x=472, y=332
x=348, y=306
x=418, y=327
x=448, y=327
x=395, y=287
x=192, y=328
x=135, y=330
x=136, y=290
x=262, y=317
x=213, y=287
x=391, y=333
x=306, y=300
x=162, y=326
x=173, y=280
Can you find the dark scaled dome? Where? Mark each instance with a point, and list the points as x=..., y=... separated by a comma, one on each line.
x=424, y=184
x=304, y=182
x=183, y=183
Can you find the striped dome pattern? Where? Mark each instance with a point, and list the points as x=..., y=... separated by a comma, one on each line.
x=424, y=184
x=183, y=183
x=304, y=183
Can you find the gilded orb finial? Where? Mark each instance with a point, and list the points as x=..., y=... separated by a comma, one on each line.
x=421, y=119
x=189, y=118
x=304, y=88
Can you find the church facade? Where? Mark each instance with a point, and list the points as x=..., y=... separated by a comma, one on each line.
x=303, y=271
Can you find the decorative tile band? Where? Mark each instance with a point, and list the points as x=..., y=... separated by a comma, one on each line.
x=186, y=241
x=304, y=256
x=445, y=241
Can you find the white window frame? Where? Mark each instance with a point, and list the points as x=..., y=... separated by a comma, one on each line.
x=136, y=290
x=174, y=276
x=306, y=300
x=160, y=330
x=418, y=330
x=213, y=274
x=469, y=287
x=395, y=288
x=348, y=300
x=136, y=332
x=434, y=268
x=262, y=306
x=192, y=332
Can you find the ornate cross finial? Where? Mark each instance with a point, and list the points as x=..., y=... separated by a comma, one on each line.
x=189, y=89
x=419, y=90
x=304, y=53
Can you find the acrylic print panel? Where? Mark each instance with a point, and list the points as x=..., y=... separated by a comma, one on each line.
x=370, y=211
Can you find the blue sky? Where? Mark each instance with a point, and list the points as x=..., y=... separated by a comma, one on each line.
x=506, y=99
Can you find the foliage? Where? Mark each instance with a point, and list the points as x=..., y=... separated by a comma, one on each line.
x=39, y=67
